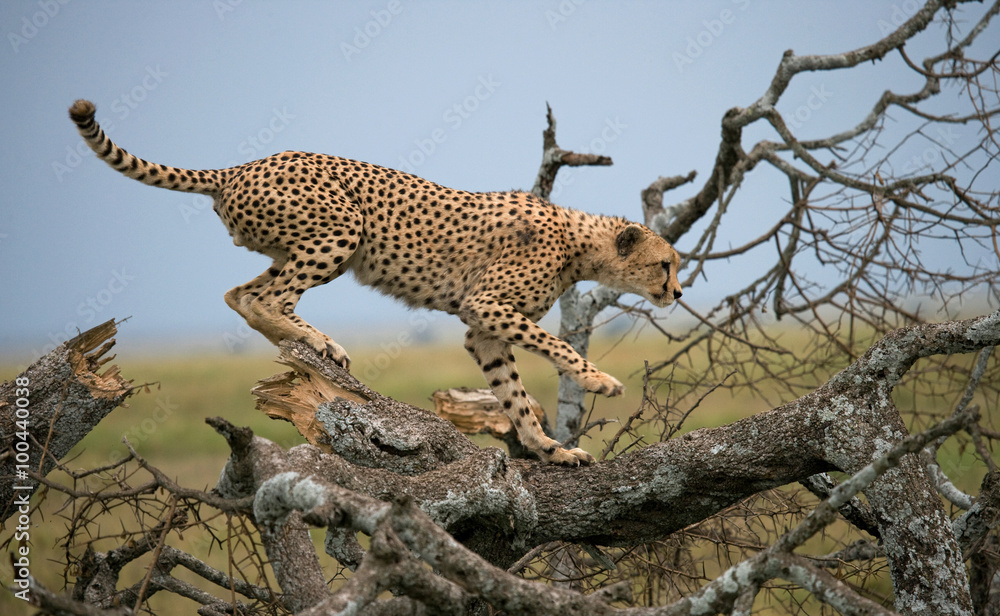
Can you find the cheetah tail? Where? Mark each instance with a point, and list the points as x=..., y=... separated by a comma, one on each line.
x=185, y=180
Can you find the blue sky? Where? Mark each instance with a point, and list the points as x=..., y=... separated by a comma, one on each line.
x=452, y=91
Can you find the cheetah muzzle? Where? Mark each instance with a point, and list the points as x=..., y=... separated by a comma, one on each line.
x=496, y=260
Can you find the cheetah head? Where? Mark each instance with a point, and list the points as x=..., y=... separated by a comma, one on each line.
x=646, y=265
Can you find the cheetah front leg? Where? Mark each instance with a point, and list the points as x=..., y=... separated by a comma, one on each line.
x=502, y=321
x=497, y=363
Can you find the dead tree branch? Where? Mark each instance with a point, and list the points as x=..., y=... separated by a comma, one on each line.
x=652, y=492
x=52, y=405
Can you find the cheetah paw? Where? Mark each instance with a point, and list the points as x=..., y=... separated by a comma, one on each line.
x=337, y=353
x=600, y=383
x=331, y=350
x=570, y=457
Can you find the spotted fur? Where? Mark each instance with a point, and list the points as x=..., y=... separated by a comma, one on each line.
x=496, y=260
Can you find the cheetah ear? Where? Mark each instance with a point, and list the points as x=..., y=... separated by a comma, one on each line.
x=630, y=237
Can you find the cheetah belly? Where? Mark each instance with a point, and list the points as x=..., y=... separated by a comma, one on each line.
x=420, y=280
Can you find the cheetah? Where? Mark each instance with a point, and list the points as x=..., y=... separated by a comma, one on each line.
x=497, y=260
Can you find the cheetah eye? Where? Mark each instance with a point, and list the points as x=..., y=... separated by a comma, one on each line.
x=666, y=266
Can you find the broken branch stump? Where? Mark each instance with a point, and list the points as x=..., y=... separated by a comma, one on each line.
x=52, y=405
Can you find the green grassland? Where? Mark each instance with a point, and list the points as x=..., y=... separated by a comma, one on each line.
x=164, y=420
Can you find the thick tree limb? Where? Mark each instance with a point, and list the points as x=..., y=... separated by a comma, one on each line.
x=337, y=413
x=653, y=212
x=56, y=603
x=470, y=517
x=652, y=492
x=52, y=405
x=690, y=211
x=972, y=527
x=401, y=529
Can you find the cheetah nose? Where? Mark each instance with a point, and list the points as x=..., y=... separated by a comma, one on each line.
x=677, y=294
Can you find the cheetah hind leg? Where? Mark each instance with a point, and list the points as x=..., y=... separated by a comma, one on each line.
x=268, y=303
x=239, y=298
x=497, y=363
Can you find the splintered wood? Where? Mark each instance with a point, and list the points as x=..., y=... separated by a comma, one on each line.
x=108, y=385
x=294, y=396
x=55, y=403
x=476, y=411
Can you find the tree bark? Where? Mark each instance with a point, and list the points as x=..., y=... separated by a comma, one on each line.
x=358, y=424
x=501, y=507
x=51, y=406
